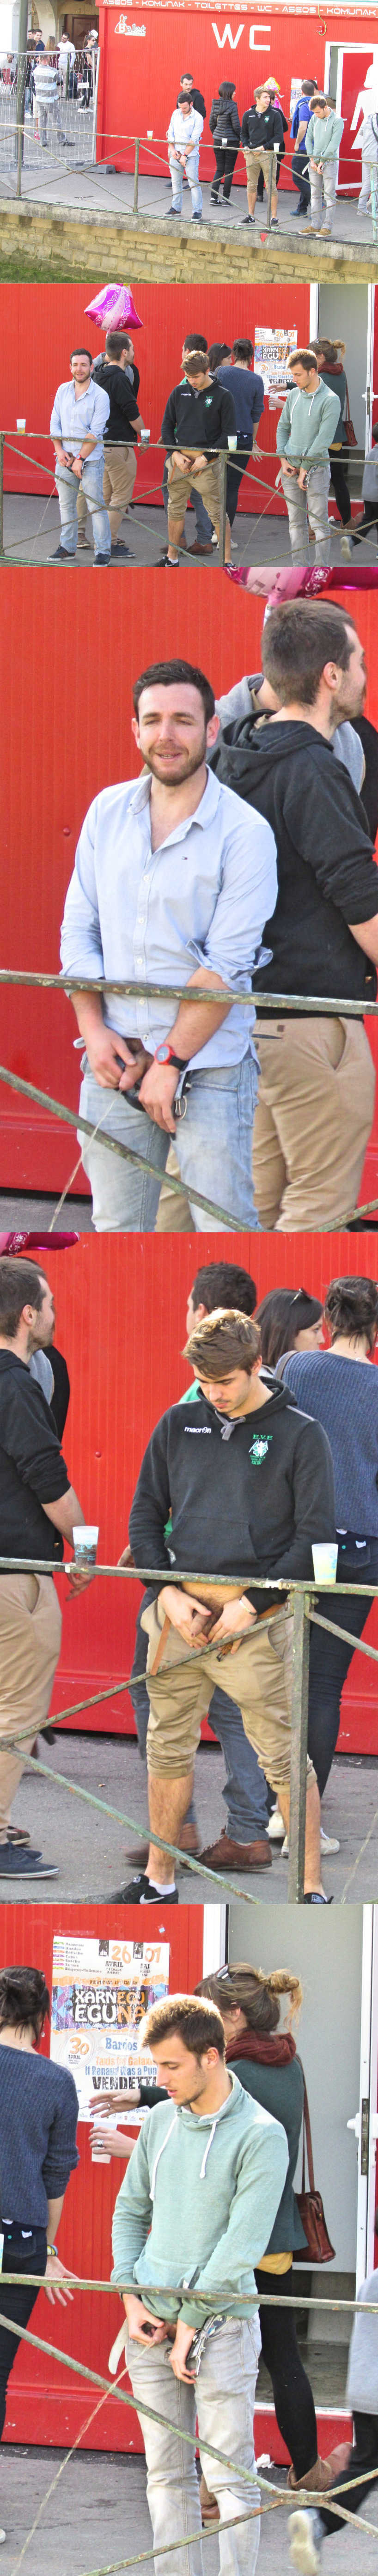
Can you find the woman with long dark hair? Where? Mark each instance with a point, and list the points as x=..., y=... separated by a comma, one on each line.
x=289, y=1320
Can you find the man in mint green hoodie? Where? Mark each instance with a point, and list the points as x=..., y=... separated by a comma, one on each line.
x=323, y=140
x=193, y=2216
x=305, y=430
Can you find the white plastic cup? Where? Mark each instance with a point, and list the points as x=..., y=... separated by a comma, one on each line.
x=20, y=424
x=144, y=437
x=85, y=1538
x=149, y=133
x=232, y=442
x=324, y=1558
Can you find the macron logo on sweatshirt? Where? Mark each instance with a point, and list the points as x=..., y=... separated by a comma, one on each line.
x=198, y=1430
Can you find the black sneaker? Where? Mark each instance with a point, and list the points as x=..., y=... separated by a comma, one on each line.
x=141, y=1892
x=316, y=1899
x=16, y=1864
x=196, y=219
x=120, y=554
x=102, y=559
x=61, y=556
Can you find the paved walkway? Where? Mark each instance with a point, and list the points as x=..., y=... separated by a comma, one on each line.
x=99, y=2511
x=103, y=187
x=32, y=531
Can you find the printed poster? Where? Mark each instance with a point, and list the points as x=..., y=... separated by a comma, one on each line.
x=100, y=1991
x=270, y=358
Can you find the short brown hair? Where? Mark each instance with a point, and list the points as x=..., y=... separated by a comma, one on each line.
x=115, y=342
x=21, y=1284
x=226, y=1340
x=197, y=363
x=298, y=639
x=301, y=358
x=197, y=2023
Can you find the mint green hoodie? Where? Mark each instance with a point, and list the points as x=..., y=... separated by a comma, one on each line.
x=197, y=2205
x=307, y=424
x=323, y=136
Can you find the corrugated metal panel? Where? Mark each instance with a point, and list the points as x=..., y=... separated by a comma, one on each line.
x=44, y=2404
x=68, y=697
x=41, y=324
x=259, y=44
x=121, y=1308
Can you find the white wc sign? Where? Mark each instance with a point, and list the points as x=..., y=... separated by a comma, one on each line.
x=258, y=37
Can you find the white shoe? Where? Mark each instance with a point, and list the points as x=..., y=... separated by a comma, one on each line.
x=327, y=1841
x=3, y=2535
x=306, y=2535
x=214, y=539
x=276, y=1828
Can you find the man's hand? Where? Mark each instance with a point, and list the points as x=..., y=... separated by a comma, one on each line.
x=190, y=1617
x=181, y=462
x=236, y=1615
x=157, y=1093
x=107, y=2103
x=56, y=2282
x=257, y=451
x=78, y=1577
x=77, y=467
x=286, y=468
x=178, y=2355
x=127, y=1557
x=139, y=2317
x=302, y=479
x=63, y=456
x=314, y=165
x=198, y=463
x=107, y=1052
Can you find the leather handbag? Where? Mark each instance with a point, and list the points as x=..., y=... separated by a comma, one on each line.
x=350, y=434
x=309, y=2202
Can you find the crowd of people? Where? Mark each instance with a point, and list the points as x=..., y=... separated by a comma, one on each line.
x=216, y=406
x=259, y=134
x=250, y=1504
x=269, y=796
x=218, y=2141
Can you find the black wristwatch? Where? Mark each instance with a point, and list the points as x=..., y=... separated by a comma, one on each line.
x=165, y=1054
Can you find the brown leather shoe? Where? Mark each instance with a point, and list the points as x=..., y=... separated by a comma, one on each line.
x=201, y=550
x=318, y=2479
x=228, y=1855
x=190, y=1842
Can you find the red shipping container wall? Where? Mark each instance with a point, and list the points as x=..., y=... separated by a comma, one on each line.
x=41, y=324
x=237, y=44
x=121, y=1309
x=69, y=703
x=46, y=2404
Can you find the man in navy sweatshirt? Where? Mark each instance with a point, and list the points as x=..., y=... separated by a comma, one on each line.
x=248, y=1481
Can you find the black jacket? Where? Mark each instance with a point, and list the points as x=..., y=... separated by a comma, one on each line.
x=250, y=1497
x=326, y=872
x=196, y=100
x=224, y=121
x=32, y=1470
x=262, y=133
x=123, y=403
x=195, y=420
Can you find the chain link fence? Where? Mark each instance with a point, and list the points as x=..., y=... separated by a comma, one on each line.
x=48, y=107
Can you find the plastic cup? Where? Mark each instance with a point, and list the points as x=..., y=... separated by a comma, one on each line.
x=85, y=1543
x=144, y=437
x=149, y=133
x=20, y=424
x=232, y=442
x=324, y=1558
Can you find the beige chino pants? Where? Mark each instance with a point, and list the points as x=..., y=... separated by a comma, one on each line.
x=258, y=1676
x=30, y=1635
x=313, y=1120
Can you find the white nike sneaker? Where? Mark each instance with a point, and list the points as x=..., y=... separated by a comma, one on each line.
x=327, y=1843
x=306, y=2535
x=276, y=1828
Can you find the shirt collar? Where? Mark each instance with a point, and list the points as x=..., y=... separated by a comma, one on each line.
x=204, y=813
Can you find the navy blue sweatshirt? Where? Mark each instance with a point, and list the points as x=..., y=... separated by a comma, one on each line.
x=38, y=2122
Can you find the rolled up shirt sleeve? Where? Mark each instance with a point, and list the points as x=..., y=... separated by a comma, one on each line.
x=81, y=945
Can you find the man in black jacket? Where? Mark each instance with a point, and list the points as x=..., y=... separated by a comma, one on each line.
x=248, y=1482
x=261, y=136
x=316, y=1092
x=199, y=418
x=118, y=375
x=38, y=1510
x=194, y=95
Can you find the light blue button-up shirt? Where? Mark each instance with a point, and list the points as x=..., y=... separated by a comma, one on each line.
x=149, y=915
x=72, y=421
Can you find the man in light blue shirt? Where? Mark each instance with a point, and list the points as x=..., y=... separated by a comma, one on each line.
x=78, y=419
x=174, y=877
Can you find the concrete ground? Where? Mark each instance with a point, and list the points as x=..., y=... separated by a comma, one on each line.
x=32, y=532
x=90, y=1848
x=99, y=2511
x=103, y=188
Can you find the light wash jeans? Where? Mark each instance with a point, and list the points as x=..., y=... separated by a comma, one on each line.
x=176, y=170
x=323, y=179
x=213, y=1142
x=245, y=1791
x=315, y=503
x=92, y=486
x=363, y=200
x=223, y=2398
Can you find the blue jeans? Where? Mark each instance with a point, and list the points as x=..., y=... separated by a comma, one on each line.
x=213, y=1141
x=176, y=170
x=245, y=1791
x=201, y=515
x=92, y=485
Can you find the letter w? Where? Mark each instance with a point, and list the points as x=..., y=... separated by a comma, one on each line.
x=222, y=40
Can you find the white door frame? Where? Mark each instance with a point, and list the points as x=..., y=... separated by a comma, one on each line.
x=214, y=1939
x=373, y=391
x=365, y=2120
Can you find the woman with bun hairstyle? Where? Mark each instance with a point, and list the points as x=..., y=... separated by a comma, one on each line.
x=288, y=1320
x=264, y=2058
x=38, y=2123
x=339, y=1388
x=329, y=355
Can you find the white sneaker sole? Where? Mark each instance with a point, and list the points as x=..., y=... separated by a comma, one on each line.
x=303, y=2549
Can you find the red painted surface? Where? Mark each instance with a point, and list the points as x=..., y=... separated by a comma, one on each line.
x=356, y=66
x=39, y=327
x=46, y=2403
x=121, y=1308
x=137, y=90
x=68, y=700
